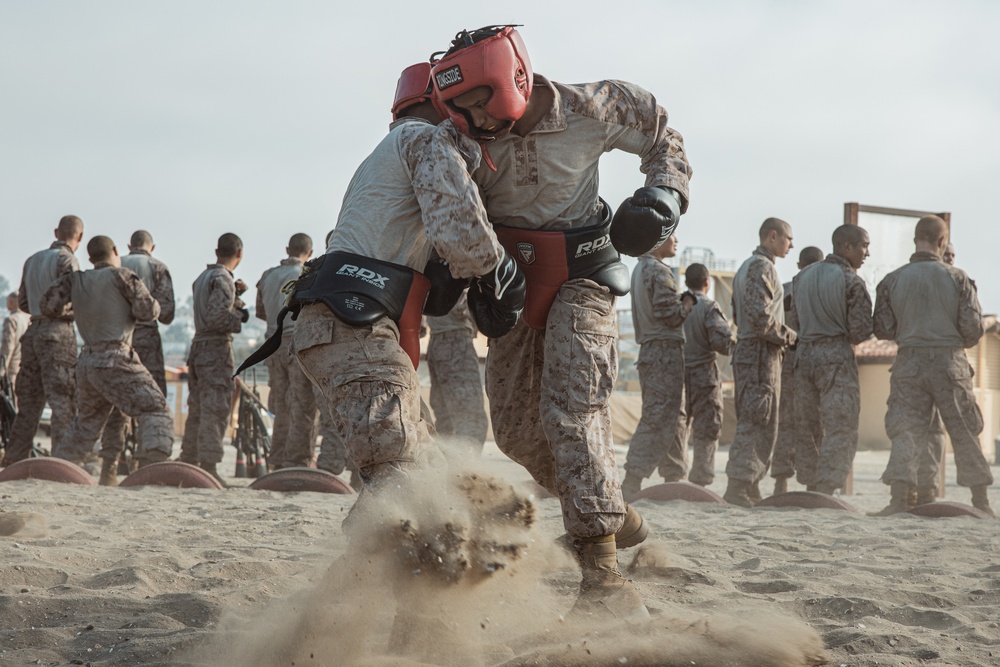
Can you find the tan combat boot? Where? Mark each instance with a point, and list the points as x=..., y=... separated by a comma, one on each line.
x=633, y=531
x=109, y=472
x=753, y=492
x=897, y=501
x=604, y=592
x=925, y=494
x=737, y=493
x=631, y=485
x=980, y=501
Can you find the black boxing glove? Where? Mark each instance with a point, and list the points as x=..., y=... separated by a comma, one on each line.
x=497, y=299
x=244, y=315
x=645, y=220
x=445, y=291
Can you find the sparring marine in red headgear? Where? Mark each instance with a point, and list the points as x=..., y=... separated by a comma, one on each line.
x=413, y=87
x=495, y=57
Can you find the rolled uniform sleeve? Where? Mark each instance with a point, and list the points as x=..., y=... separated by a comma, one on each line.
x=884, y=320
x=222, y=313
x=439, y=163
x=163, y=292
x=643, y=130
x=970, y=314
x=145, y=308
x=860, y=323
x=761, y=290
x=666, y=302
x=720, y=335
x=22, y=296
x=57, y=300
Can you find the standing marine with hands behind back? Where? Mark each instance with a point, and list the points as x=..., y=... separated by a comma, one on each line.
x=932, y=311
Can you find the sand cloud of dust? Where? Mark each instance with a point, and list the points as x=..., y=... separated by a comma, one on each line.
x=450, y=569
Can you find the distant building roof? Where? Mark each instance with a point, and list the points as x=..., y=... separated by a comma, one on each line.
x=875, y=351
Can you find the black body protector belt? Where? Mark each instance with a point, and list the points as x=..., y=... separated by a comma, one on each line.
x=359, y=291
x=548, y=259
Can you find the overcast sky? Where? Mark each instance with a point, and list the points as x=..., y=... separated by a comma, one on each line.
x=191, y=119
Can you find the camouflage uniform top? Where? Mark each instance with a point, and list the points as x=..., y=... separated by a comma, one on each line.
x=758, y=301
x=657, y=312
x=270, y=299
x=10, y=345
x=791, y=317
x=458, y=319
x=156, y=277
x=41, y=270
x=928, y=303
x=549, y=178
x=414, y=193
x=217, y=313
x=108, y=301
x=831, y=299
x=706, y=332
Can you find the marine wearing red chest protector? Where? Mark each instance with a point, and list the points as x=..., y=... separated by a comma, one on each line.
x=549, y=380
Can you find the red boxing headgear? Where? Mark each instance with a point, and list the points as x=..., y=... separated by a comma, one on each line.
x=413, y=87
x=499, y=62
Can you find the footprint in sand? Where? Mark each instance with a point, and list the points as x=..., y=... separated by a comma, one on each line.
x=23, y=524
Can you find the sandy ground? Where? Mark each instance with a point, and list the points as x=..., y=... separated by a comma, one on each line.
x=159, y=576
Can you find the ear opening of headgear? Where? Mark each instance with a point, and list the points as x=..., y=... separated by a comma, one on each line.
x=493, y=56
x=413, y=87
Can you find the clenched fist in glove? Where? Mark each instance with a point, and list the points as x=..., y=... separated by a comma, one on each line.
x=645, y=220
x=497, y=299
x=445, y=290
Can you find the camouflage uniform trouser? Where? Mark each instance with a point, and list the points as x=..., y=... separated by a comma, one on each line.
x=929, y=465
x=303, y=412
x=48, y=358
x=659, y=436
x=457, y=388
x=370, y=387
x=783, y=461
x=333, y=456
x=111, y=379
x=827, y=407
x=703, y=390
x=210, y=400
x=146, y=343
x=922, y=379
x=279, y=366
x=757, y=375
x=549, y=397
